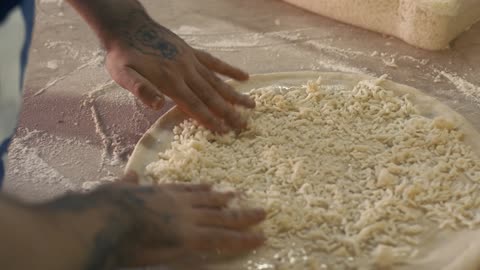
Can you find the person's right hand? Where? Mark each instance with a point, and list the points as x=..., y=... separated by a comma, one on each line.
x=152, y=62
x=144, y=226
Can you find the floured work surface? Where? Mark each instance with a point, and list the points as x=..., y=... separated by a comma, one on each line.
x=355, y=172
x=428, y=24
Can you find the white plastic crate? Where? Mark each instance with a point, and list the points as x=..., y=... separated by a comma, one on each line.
x=428, y=24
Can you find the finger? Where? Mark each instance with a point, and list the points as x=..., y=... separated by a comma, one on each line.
x=210, y=199
x=226, y=90
x=188, y=187
x=221, y=67
x=224, y=240
x=194, y=106
x=131, y=177
x=216, y=103
x=230, y=219
x=138, y=85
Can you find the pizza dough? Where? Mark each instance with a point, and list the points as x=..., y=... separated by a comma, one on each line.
x=428, y=24
x=356, y=173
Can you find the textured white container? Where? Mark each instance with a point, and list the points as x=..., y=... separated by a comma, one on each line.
x=428, y=24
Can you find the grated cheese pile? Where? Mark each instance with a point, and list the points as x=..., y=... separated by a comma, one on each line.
x=354, y=174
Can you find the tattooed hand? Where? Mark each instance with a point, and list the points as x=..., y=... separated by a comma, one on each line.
x=151, y=61
x=128, y=225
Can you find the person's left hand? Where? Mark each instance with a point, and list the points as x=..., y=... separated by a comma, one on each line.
x=151, y=61
x=126, y=225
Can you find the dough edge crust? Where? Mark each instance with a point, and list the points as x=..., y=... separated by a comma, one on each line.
x=160, y=135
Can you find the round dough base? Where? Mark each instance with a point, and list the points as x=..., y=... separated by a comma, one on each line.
x=449, y=250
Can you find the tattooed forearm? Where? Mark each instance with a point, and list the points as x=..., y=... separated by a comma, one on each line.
x=147, y=40
x=146, y=36
x=118, y=216
x=103, y=197
x=128, y=22
x=104, y=253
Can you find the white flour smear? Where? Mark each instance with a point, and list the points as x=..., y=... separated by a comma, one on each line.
x=99, y=90
x=100, y=130
x=335, y=65
x=188, y=30
x=29, y=162
x=345, y=53
x=331, y=57
x=467, y=88
x=91, y=185
x=112, y=151
x=235, y=41
x=96, y=59
x=231, y=43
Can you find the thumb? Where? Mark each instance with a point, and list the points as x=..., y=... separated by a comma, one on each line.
x=138, y=85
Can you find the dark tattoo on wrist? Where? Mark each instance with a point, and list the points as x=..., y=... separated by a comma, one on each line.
x=106, y=244
x=147, y=36
x=129, y=220
x=148, y=41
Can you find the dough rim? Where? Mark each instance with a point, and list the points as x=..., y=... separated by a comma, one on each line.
x=160, y=135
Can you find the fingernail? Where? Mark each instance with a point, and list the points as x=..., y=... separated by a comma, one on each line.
x=130, y=177
x=222, y=128
x=157, y=103
x=245, y=76
x=204, y=186
x=250, y=102
x=260, y=213
x=243, y=123
x=230, y=194
x=241, y=126
x=260, y=236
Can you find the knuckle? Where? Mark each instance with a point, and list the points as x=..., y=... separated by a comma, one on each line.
x=235, y=216
x=206, y=199
x=233, y=116
x=217, y=80
x=233, y=94
x=217, y=61
x=195, y=103
x=222, y=218
x=225, y=89
x=211, y=120
x=138, y=88
x=225, y=110
x=223, y=67
x=202, y=91
x=215, y=200
x=229, y=89
x=186, y=188
x=169, y=72
x=219, y=199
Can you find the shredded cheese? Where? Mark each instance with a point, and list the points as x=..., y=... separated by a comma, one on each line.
x=348, y=173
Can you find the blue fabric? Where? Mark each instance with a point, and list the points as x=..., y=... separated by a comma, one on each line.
x=28, y=11
x=3, y=151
